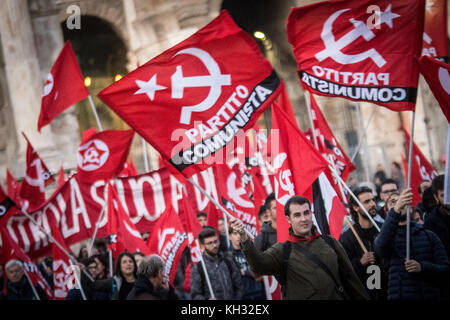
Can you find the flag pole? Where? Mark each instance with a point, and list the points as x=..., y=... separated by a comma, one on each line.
x=363, y=247
x=362, y=139
x=225, y=223
x=354, y=197
x=53, y=240
x=195, y=184
x=311, y=122
x=363, y=136
x=411, y=145
x=99, y=125
x=29, y=281
x=144, y=148
x=208, y=282
x=447, y=170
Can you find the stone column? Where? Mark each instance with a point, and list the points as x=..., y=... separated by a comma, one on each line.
x=24, y=84
x=49, y=41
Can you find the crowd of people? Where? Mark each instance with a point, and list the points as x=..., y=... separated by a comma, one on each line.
x=370, y=260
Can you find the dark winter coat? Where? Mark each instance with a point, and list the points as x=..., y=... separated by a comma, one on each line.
x=355, y=253
x=266, y=238
x=144, y=290
x=226, y=284
x=22, y=291
x=425, y=248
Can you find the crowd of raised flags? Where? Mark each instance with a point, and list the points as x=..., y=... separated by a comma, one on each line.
x=192, y=103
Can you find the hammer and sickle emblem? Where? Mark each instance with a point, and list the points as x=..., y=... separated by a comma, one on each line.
x=283, y=180
x=91, y=156
x=215, y=80
x=48, y=87
x=39, y=181
x=333, y=48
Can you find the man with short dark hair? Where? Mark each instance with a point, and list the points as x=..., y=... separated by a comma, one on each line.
x=202, y=218
x=425, y=184
x=367, y=232
x=263, y=215
x=151, y=282
x=268, y=234
x=438, y=221
x=387, y=187
x=223, y=273
x=312, y=266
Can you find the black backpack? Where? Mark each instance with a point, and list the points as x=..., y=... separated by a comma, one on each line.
x=202, y=271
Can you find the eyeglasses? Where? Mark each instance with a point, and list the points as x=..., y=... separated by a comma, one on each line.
x=389, y=191
x=212, y=242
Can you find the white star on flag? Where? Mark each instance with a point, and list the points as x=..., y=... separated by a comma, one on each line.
x=387, y=16
x=149, y=87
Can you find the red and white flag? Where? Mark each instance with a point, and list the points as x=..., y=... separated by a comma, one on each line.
x=37, y=177
x=168, y=239
x=437, y=75
x=362, y=50
x=11, y=250
x=122, y=233
x=64, y=86
x=421, y=169
x=63, y=270
x=13, y=187
x=435, y=42
x=103, y=155
x=193, y=228
x=7, y=208
x=129, y=170
x=297, y=165
x=61, y=177
x=190, y=101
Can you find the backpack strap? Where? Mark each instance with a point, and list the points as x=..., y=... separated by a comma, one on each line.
x=265, y=241
x=282, y=279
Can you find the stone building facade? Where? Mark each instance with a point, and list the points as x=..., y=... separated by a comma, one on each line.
x=129, y=33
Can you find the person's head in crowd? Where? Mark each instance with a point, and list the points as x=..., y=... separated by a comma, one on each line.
x=438, y=188
x=365, y=196
x=102, y=264
x=428, y=200
x=415, y=215
x=298, y=213
x=145, y=235
x=126, y=266
x=152, y=268
x=202, y=217
x=392, y=200
x=91, y=266
x=263, y=215
x=221, y=226
x=425, y=184
x=271, y=205
x=138, y=257
x=235, y=238
x=209, y=241
x=83, y=253
x=14, y=271
x=387, y=187
x=47, y=263
x=100, y=244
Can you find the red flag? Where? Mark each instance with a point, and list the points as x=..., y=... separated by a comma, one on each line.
x=234, y=197
x=168, y=240
x=359, y=50
x=61, y=177
x=103, y=155
x=437, y=75
x=63, y=272
x=13, y=187
x=129, y=170
x=7, y=208
x=421, y=169
x=190, y=101
x=64, y=86
x=435, y=43
x=11, y=250
x=122, y=233
x=330, y=147
x=87, y=134
x=193, y=228
x=37, y=177
x=297, y=165
x=212, y=216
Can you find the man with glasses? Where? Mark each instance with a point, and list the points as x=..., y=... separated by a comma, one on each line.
x=223, y=273
x=387, y=187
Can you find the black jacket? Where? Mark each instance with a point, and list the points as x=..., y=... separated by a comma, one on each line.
x=266, y=238
x=425, y=248
x=22, y=291
x=144, y=290
x=355, y=253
